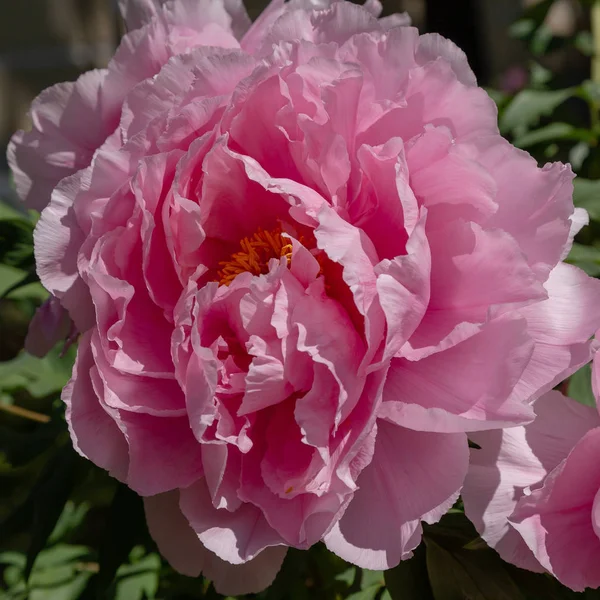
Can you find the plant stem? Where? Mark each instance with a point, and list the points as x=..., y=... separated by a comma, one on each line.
x=595, y=21
x=24, y=413
x=595, y=74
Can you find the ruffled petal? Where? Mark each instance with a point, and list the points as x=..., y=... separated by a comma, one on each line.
x=514, y=460
x=236, y=537
x=57, y=145
x=180, y=545
x=556, y=520
x=465, y=388
x=93, y=426
x=381, y=526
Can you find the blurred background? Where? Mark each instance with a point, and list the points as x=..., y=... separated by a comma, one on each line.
x=70, y=532
x=47, y=41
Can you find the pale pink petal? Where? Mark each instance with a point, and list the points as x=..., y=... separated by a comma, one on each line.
x=472, y=271
x=326, y=334
x=233, y=536
x=388, y=210
x=180, y=545
x=579, y=219
x=562, y=327
x=338, y=23
x=353, y=250
x=57, y=146
x=432, y=46
x=381, y=525
x=403, y=285
x=136, y=13
x=465, y=388
x=250, y=577
x=164, y=454
x=515, y=459
x=556, y=520
x=93, y=427
x=447, y=181
x=596, y=373
x=175, y=538
x=571, y=314
x=534, y=205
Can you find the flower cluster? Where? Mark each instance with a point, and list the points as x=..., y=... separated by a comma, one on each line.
x=303, y=264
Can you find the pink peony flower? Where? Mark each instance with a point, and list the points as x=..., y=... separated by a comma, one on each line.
x=533, y=492
x=304, y=263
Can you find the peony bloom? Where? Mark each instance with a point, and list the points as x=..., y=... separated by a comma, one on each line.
x=533, y=492
x=304, y=264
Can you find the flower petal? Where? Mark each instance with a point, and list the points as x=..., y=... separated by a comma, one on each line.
x=381, y=526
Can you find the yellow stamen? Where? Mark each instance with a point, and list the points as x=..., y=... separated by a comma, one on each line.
x=255, y=254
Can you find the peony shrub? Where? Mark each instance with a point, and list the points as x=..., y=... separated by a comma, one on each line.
x=303, y=265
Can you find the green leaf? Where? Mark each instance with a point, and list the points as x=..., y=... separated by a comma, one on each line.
x=541, y=39
x=528, y=106
x=410, y=580
x=554, y=131
x=61, y=554
x=371, y=578
x=578, y=154
x=584, y=42
x=7, y=212
x=536, y=586
x=291, y=581
x=371, y=583
x=449, y=581
x=586, y=194
x=71, y=517
x=590, y=91
x=538, y=11
x=21, y=447
x=16, y=243
x=39, y=376
x=125, y=528
x=522, y=28
x=24, y=286
x=498, y=96
x=580, y=386
x=456, y=574
x=138, y=580
x=50, y=495
x=347, y=576
x=9, y=278
x=368, y=593
x=586, y=258
x=540, y=75
x=13, y=558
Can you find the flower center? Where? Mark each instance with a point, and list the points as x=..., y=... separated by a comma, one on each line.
x=255, y=254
